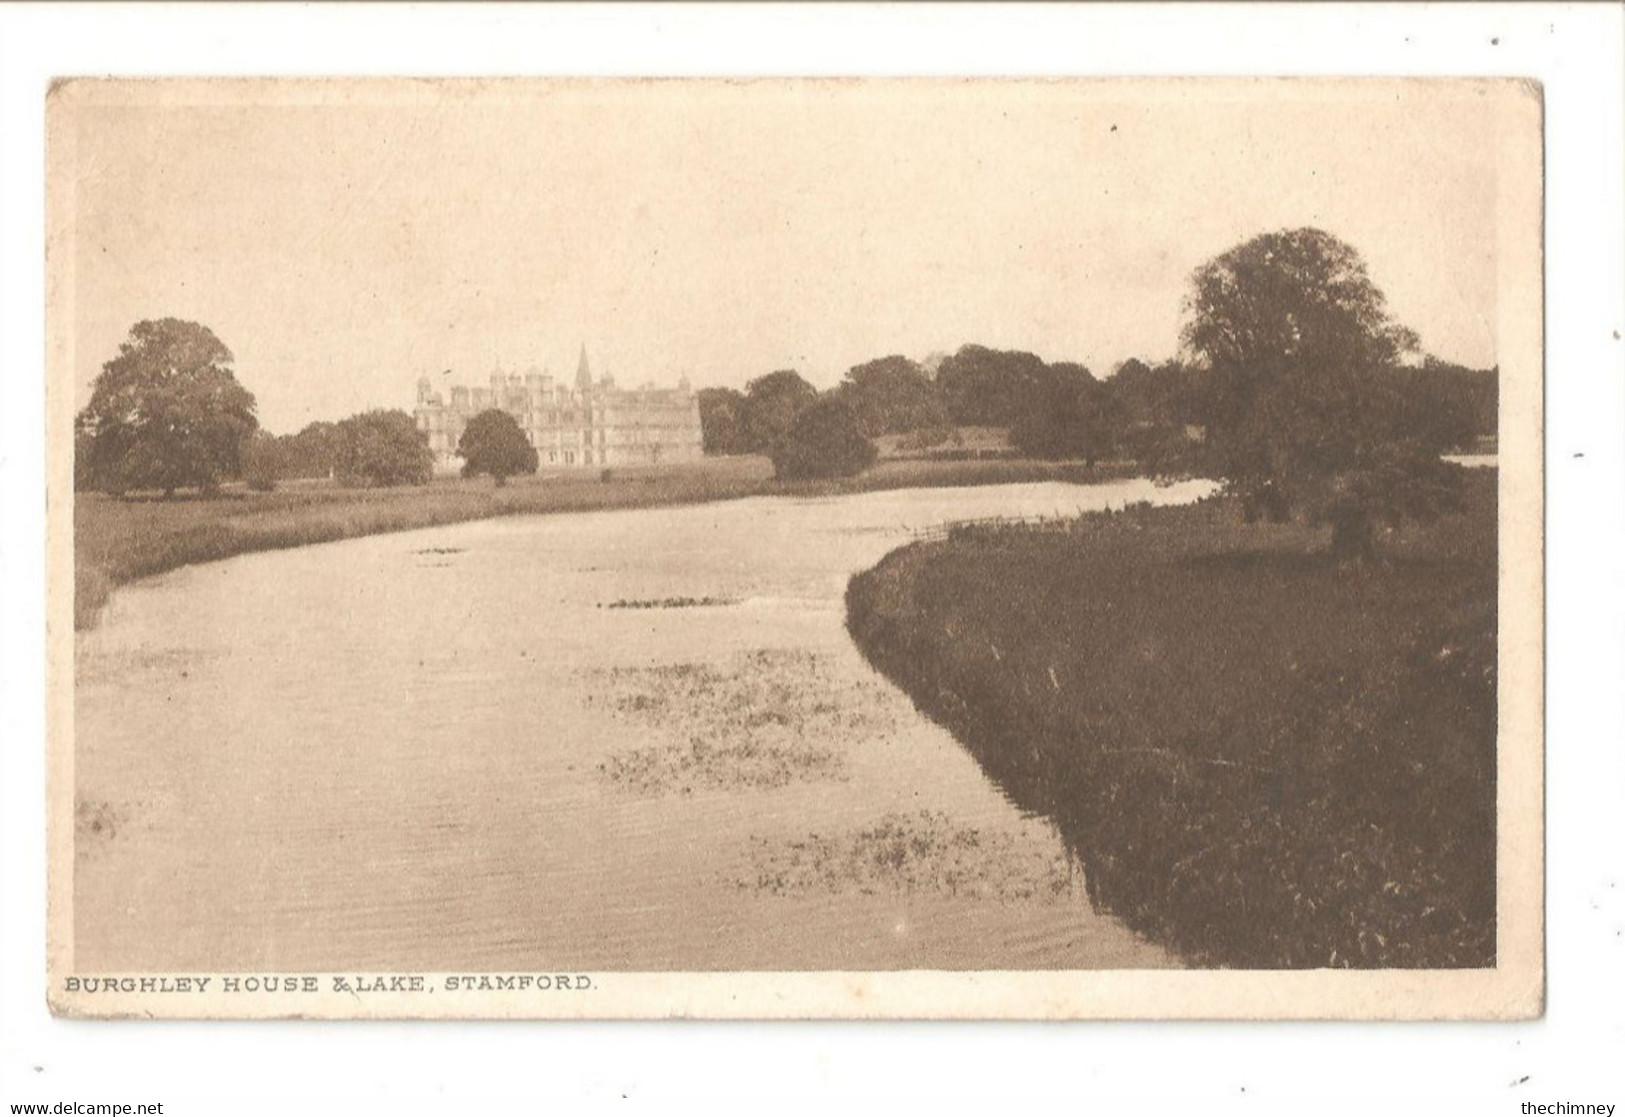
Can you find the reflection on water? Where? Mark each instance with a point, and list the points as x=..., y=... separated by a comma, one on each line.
x=446, y=749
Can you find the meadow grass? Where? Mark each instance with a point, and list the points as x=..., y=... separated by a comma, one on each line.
x=1262, y=758
x=119, y=540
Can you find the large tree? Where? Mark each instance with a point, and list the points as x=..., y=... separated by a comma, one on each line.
x=1464, y=402
x=263, y=456
x=824, y=440
x=382, y=448
x=1068, y=414
x=771, y=404
x=990, y=387
x=1307, y=409
x=493, y=443
x=166, y=413
x=314, y=451
x=1163, y=410
x=893, y=395
x=1164, y=395
x=722, y=419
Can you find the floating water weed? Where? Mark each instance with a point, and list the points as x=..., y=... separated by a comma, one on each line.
x=766, y=718
x=670, y=603
x=927, y=852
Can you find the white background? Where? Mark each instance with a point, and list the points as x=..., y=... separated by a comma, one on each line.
x=1576, y=51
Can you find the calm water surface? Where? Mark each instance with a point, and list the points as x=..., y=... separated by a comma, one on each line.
x=400, y=753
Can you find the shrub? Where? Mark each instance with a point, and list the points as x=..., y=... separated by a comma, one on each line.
x=825, y=440
x=261, y=461
x=770, y=406
x=722, y=421
x=382, y=448
x=492, y=443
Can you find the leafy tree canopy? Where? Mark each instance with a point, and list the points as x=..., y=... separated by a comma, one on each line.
x=166, y=413
x=1069, y=414
x=493, y=443
x=1163, y=411
x=261, y=455
x=1307, y=406
x=722, y=420
x=1466, y=400
x=315, y=449
x=313, y=452
x=825, y=440
x=989, y=387
x=382, y=448
x=1166, y=394
x=893, y=395
x=771, y=405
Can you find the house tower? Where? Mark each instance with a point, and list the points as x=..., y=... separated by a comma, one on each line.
x=583, y=373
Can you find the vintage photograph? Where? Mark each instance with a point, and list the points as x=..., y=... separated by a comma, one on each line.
x=810, y=548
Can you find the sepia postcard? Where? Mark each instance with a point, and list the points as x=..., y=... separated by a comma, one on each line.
x=856, y=548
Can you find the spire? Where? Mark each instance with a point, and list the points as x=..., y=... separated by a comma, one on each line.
x=583, y=373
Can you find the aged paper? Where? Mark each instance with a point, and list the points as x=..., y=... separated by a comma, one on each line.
x=598, y=742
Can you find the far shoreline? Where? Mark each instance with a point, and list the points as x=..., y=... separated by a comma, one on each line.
x=122, y=540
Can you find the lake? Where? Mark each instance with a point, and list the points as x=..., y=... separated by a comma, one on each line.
x=631, y=740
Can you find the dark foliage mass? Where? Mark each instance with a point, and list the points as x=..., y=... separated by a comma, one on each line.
x=990, y=387
x=382, y=448
x=167, y=413
x=892, y=396
x=1311, y=405
x=1297, y=389
x=374, y=448
x=772, y=403
x=494, y=444
x=825, y=440
x=164, y=414
x=1263, y=757
x=1162, y=411
x=722, y=420
x=1463, y=402
x=311, y=453
x=1070, y=415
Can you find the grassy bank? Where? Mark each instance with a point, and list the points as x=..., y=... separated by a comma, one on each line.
x=1263, y=760
x=117, y=541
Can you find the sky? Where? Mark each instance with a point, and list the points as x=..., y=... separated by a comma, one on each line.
x=343, y=240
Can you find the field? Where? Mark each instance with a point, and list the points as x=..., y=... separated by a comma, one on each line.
x=1263, y=759
x=120, y=540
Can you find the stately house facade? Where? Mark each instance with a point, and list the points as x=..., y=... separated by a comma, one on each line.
x=591, y=424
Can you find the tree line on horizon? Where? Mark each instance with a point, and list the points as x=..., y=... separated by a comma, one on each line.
x=1053, y=411
x=1141, y=412
x=1297, y=388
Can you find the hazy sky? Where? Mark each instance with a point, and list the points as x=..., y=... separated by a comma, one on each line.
x=343, y=242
